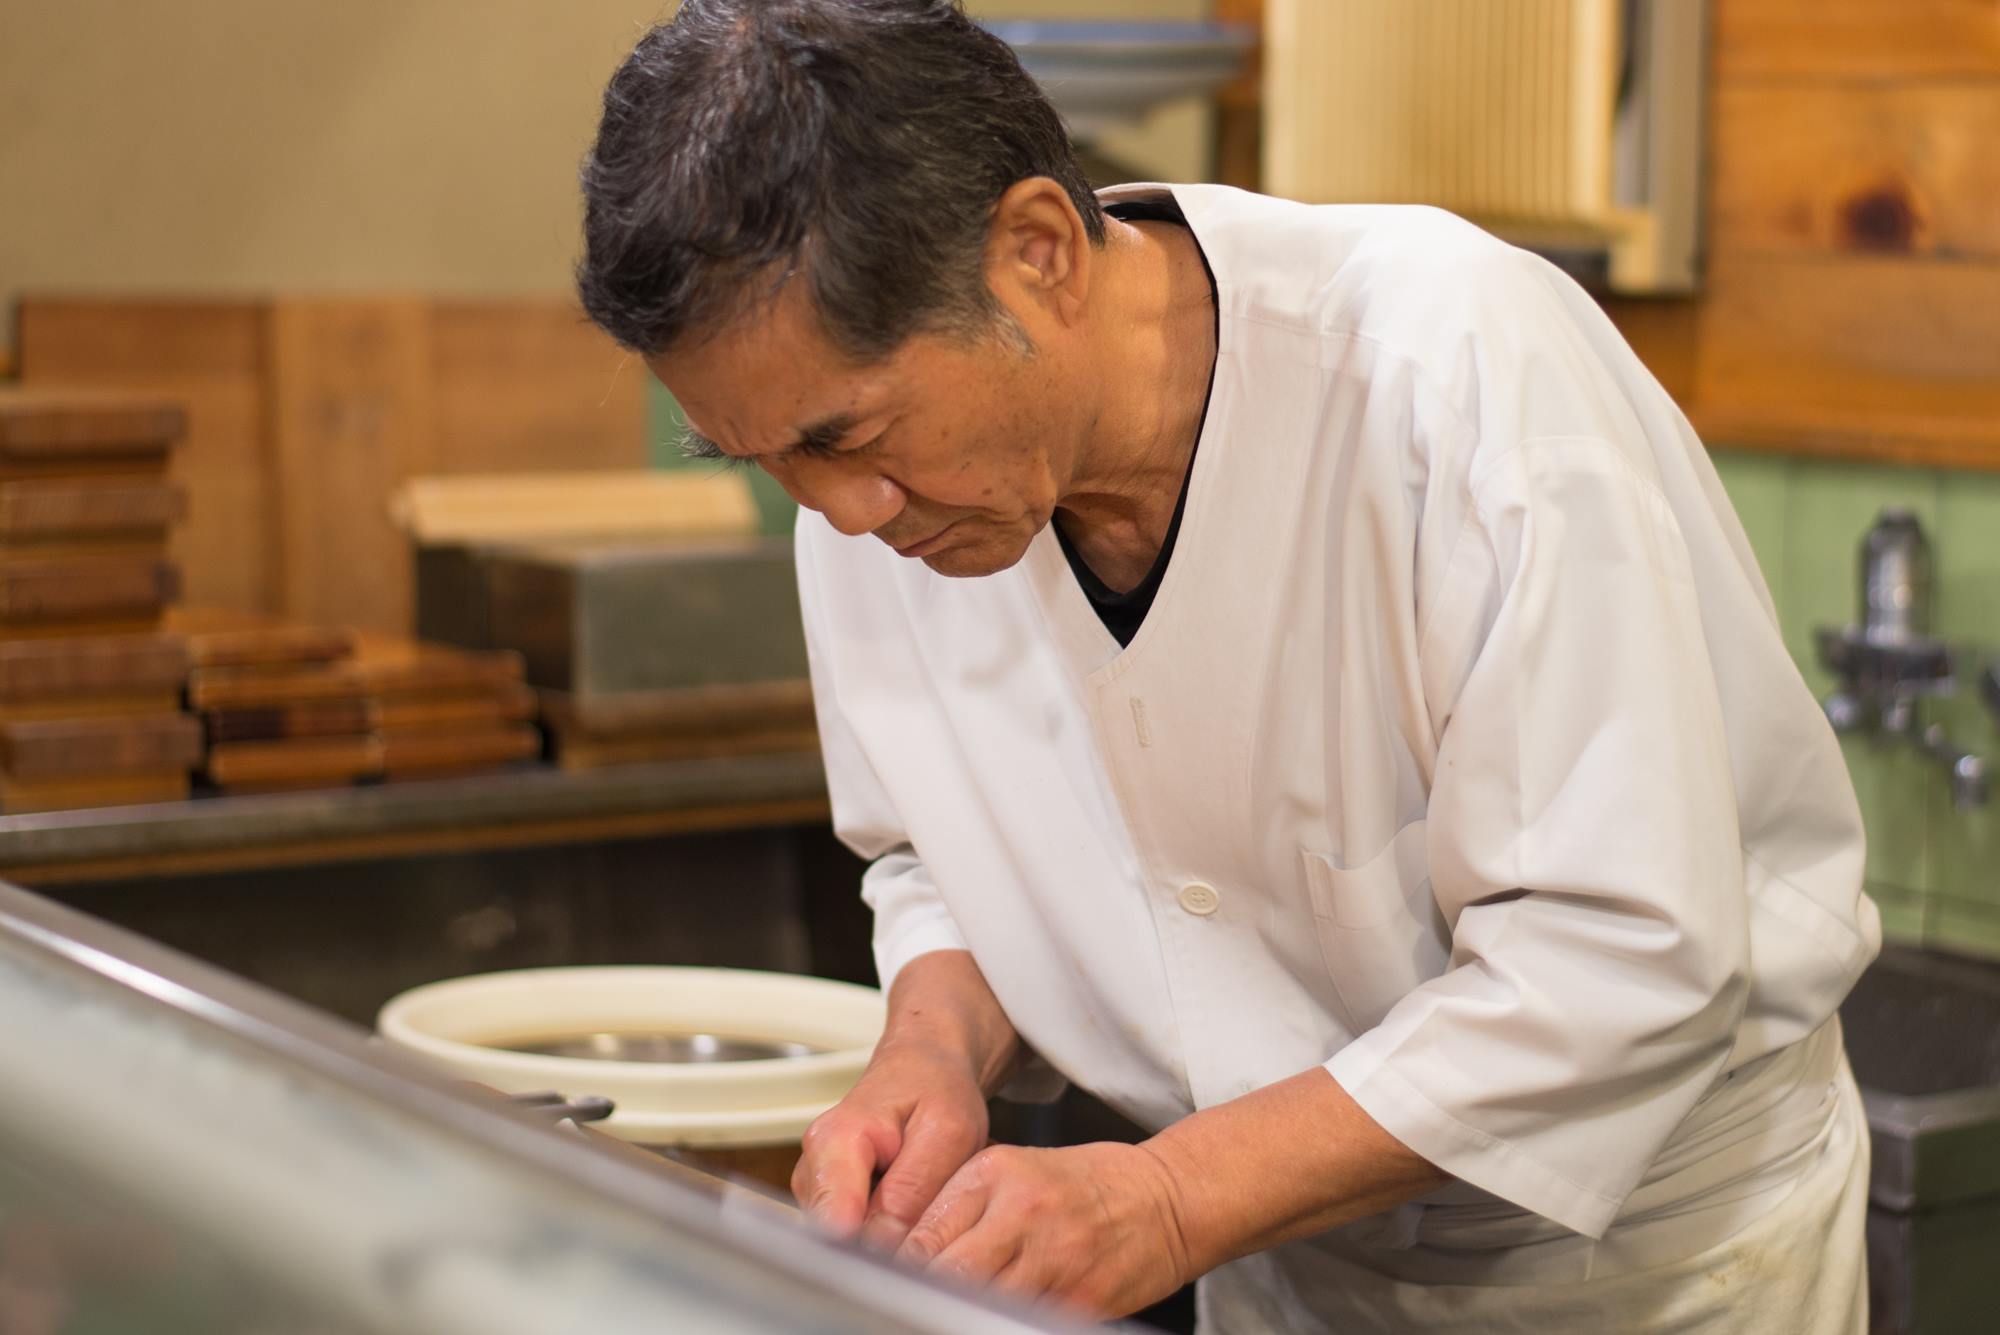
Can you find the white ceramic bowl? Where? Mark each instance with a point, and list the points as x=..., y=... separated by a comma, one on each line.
x=459, y=1023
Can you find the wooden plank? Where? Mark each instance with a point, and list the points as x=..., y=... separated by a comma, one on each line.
x=134, y=624
x=382, y=670
x=458, y=751
x=331, y=760
x=578, y=752
x=65, y=422
x=209, y=356
x=527, y=385
x=76, y=748
x=1855, y=39
x=34, y=509
x=32, y=669
x=690, y=709
x=507, y=703
x=91, y=706
x=79, y=589
x=351, y=421
x=1860, y=354
x=18, y=796
x=1830, y=169
x=322, y=718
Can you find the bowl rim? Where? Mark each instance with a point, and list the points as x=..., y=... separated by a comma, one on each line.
x=393, y=1024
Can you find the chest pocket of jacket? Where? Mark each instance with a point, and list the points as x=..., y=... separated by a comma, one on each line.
x=1380, y=931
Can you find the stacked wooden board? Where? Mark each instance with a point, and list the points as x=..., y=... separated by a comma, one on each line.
x=293, y=707
x=90, y=684
x=588, y=732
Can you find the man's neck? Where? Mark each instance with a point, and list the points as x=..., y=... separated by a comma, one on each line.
x=1157, y=351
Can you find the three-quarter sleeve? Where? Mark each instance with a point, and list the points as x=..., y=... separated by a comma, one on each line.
x=1582, y=845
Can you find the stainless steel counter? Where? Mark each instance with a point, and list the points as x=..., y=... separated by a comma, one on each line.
x=181, y=1150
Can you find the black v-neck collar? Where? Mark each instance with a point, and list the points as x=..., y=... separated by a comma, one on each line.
x=1123, y=613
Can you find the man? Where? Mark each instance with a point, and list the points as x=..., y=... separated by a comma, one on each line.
x=1296, y=675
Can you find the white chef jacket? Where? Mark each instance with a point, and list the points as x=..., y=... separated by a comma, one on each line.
x=1458, y=752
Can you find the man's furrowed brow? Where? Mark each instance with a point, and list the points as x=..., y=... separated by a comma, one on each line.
x=825, y=433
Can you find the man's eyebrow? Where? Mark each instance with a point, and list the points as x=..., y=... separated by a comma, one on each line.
x=821, y=435
x=825, y=433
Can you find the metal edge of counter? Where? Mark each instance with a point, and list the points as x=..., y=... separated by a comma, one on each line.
x=540, y=794
x=294, y=1035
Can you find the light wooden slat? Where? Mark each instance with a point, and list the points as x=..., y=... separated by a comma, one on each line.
x=1855, y=39
x=1858, y=168
x=1889, y=356
x=522, y=386
x=351, y=422
x=210, y=356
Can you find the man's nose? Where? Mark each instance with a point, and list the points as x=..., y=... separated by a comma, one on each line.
x=855, y=501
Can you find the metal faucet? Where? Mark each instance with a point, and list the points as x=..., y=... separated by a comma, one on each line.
x=1889, y=663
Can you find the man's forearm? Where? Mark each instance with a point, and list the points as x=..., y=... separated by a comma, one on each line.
x=1290, y=1160
x=942, y=1000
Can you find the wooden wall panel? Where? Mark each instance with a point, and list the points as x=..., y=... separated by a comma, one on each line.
x=1239, y=114
x=1889, y=356
x=1905, y=168
x=305, y=414
x=1665, y=334
x=1852, y=301
x=212, y=357
x=352, y=421
x=1855, y=39
x=529, y=385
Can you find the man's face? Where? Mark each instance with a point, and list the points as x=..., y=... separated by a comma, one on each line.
x=952, y=451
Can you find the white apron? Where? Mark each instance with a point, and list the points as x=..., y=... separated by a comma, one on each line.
x=1788, y=1259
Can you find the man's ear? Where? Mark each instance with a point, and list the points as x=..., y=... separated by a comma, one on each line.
x=1038, y=254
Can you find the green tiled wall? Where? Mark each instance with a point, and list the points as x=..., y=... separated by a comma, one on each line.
x=1934, y=870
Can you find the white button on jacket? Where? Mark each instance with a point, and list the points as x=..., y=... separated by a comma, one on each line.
x=1462, y=680
x=1200, y=900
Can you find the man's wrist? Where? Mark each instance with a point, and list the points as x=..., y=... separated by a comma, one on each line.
x=986, y=1061
x=941, y=1007
x=1192, y=1233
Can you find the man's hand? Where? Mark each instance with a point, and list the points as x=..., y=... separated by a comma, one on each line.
x=914, y=1117
x=918, y=1112
x=1094, y=1228
x=1109, y=1229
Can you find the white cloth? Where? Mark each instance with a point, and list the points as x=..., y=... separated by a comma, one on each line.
x=1463, y=705
x=1798, y=1267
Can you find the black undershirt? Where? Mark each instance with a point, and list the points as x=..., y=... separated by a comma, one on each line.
x=1123, y=613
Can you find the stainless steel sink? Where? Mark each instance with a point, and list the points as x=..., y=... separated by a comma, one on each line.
x=1923, y=1033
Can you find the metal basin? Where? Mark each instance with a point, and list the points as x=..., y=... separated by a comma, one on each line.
x=656, y=1047
x=1923, y=1034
